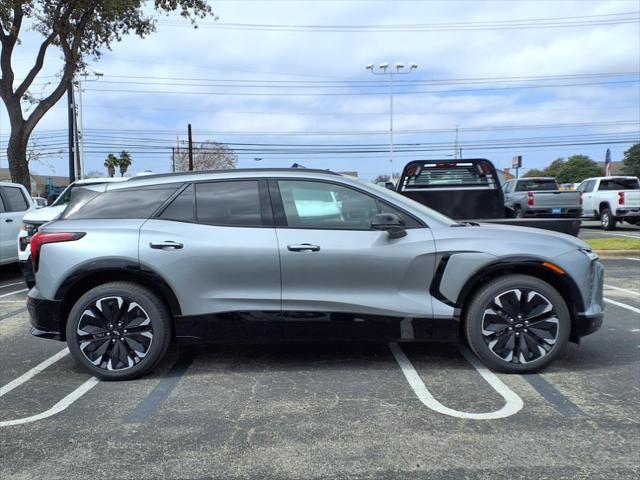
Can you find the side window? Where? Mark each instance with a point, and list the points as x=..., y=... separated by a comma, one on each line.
x=16, y=201
x=309, y=204
x=408, y=221
x=183, y=207
x=235, y=203
x=591, y=184
x=118, y=203
x=508, y=186
x=2, y=209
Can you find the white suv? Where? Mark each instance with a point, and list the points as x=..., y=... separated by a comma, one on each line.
x=15, y=202
x=611, y=200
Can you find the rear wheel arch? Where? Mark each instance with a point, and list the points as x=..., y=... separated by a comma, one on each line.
x=85, y=278
x=603, y=205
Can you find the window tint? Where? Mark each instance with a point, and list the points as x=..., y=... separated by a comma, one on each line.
x=234, y=203
x=507, y=187
x=408, y=221
x=326, y=205
x=121, y=203
x=619, y=184
x=15, y=199
x=183, y=207
x=536, y=185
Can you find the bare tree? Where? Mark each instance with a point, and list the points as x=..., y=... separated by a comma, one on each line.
x=207, y=155
x=77, y=29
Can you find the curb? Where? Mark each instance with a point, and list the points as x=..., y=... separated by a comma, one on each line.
x=617, y=253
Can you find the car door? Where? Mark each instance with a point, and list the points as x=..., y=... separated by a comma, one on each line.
x=216, y=247
x=336, y=267
x=15, y=204
x=588, y=200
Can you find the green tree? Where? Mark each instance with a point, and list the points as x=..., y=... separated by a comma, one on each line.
x=554, y=167
x=534, y=172
x=111, y=162
x=631, y=162
x=382, y=179
x=577, y=168
x=76, y=29
x=124, y=162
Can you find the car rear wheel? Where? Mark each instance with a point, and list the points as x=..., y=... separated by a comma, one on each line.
x=118, y=331
x=517, y=324
x=607, y=220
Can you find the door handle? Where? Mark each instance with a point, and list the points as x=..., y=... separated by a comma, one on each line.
x=166, y=245
x=303, y=247
x=9, y=220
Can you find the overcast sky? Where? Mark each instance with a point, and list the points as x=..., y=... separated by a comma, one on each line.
x=291, y=86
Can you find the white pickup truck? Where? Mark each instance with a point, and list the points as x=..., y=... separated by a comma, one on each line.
x=611, y=200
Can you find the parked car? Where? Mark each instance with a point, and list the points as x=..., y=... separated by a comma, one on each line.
x=242, y=255
x=15, y=202
x=469, y=190
x=34, y=220
x=40, y=202
x=540, y=197
x=611, y=200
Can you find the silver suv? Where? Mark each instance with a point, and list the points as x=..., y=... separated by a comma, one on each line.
x=291, y=255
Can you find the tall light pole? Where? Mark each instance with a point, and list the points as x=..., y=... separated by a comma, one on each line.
x=399, y=70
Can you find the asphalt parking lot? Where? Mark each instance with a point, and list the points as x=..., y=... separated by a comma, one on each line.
x=623, y=230
x=326, y=411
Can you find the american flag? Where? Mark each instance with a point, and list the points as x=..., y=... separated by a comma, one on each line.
x=607, y=164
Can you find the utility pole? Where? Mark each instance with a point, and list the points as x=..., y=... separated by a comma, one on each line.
x=190, y=149
x=455, y=147
x=71, y=126
x=382, y=70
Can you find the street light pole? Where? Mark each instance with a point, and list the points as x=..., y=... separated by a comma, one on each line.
x=382, y=70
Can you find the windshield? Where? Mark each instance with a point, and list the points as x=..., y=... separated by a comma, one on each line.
x=536, y=185
x=620, y=184
x=64, y=197
x=400, y=200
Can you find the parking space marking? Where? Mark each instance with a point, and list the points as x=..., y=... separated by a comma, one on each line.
x=11, y=314
x=13, y=293
x=561, y=403
x=622, y=290
x=58, y=407
x=33, y=372
x=148, y=407
x=631, y=258
x=11, y=284
x=513, y=402
x=622, y=305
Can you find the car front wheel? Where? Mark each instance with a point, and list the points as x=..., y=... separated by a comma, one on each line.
x=118, y=331
x=517, y=324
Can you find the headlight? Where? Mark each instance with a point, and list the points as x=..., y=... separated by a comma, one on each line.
x=29, y=228
x=592, y=255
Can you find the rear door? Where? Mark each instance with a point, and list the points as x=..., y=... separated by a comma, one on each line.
x=215, y=245
x=15, y=203
x=588, y=200
x=336, y=268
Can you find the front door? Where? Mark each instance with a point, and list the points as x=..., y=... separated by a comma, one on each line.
x=336, y=267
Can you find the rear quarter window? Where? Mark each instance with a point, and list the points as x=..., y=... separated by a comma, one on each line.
x=119, y=203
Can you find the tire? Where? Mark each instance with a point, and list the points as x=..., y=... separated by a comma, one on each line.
x=607, y=220
x=118, y=331
x=502, y=337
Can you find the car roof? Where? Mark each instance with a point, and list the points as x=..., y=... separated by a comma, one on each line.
x=11, y=184
x=536, y=178
x=92, y=181
x=182, y=177
x=610, y=177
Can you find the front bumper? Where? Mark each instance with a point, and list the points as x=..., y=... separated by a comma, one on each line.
x=45, y=316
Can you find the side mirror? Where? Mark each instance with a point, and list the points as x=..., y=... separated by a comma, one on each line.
x=389, y=186
x=390, y=223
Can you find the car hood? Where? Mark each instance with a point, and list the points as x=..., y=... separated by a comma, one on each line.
x=44, y=215
x=503, y=240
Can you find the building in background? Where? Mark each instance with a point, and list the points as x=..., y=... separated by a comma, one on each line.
x=40, y=184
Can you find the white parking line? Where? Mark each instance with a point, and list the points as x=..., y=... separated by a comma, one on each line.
x=11, y=284
x=631, y=258
x=58, y=407
x=622, y=289
x=513, y=402
x=13, y=293
x=33, y=372
x=622, y=305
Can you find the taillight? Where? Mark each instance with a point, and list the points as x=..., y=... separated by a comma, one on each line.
x=41, y=238
x=530, y=199
x=620, y=198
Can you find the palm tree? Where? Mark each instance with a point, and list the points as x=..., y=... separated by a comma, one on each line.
x=124, y=162
x=111, y=163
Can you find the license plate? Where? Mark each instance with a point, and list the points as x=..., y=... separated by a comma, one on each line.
x=556, y=210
